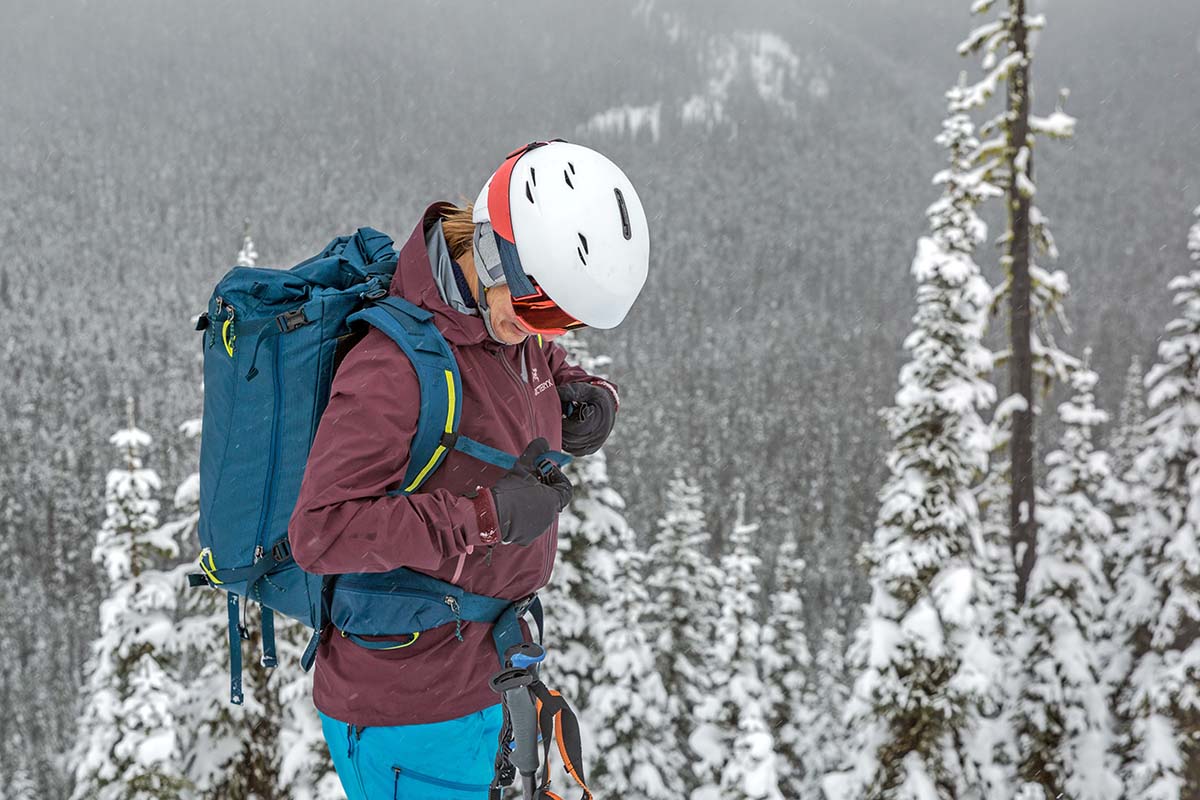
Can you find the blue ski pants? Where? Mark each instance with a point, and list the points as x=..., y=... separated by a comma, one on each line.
x=450, y=760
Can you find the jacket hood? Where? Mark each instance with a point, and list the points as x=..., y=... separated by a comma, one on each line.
x=414, y=282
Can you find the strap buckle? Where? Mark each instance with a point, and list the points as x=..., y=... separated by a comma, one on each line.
x=282, y=550
x=521, y=606
x=289, y=321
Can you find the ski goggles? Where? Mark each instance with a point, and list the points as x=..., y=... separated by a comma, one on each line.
x=541, y=314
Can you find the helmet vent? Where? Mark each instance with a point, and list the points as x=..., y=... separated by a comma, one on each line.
x=568, y=179
x=572, y=166
x=533, y=175
x=581, y=258
x=625, y=228
x=528, y=192
x=583, y=241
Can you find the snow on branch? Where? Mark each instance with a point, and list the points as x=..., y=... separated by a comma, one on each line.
x=1041, y=233
x=989, y=149
x=978, y=94
x=996, y=123
x=1024, y=183
x=978, y=36
x=1059, y=125
x=130, y=439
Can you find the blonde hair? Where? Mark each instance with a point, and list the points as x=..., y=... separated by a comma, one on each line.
x=458, y=229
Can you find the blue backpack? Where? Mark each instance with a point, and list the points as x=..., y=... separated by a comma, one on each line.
x=272, y=340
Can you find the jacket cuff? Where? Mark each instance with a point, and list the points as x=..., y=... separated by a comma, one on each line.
x=485, y=516
x=611, y=387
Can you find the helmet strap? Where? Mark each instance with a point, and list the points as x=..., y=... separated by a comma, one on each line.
x=485, y=311
x=487, y=257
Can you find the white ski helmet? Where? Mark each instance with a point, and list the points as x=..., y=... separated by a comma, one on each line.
x=567, y=217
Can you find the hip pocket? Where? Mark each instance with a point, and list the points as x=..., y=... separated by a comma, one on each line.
x=409, y=784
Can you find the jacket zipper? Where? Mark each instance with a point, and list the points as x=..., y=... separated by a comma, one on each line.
x=522, y=385
x=547, y=556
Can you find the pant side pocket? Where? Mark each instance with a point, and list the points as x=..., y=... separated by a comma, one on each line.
x=403, y=773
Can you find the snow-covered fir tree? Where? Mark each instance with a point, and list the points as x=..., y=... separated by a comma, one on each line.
x=925, y=666
x=993, y=743
x=20, y=782
x=1005, y=45
x=248, y=255
x=628, y=705
x=130, y=741
x=683, y=584
x=1034, y=296
x=817, y=721
x=1062, y=715
x=1159, y=594
x=786, y=666
x=1126, y=441
x=736, y=740
x=799, y=716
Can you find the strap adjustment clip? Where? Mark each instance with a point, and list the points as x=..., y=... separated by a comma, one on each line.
x=282, y=550
x=289, y=321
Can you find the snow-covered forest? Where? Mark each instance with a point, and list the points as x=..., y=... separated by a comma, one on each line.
x=902, y=499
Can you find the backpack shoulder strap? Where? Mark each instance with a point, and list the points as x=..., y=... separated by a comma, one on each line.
x=414, y=332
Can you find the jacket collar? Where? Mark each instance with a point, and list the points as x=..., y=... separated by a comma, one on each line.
x=414, y=282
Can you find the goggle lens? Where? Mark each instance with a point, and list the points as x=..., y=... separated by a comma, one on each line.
x=542, y=315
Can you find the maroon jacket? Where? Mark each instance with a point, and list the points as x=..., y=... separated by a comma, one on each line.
x=345, y=521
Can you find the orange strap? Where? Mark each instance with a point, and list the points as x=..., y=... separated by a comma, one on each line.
x=551, y=709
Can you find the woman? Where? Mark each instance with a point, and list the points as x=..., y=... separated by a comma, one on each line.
x=557, y=239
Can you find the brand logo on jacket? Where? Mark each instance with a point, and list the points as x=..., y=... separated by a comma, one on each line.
x=543, y=386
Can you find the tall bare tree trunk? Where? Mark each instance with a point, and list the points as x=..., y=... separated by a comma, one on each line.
x=1021, y=507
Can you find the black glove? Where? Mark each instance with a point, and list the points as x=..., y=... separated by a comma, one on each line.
x=527, y=502
x=589, y=414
